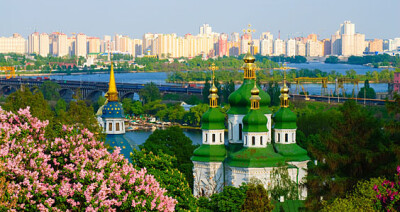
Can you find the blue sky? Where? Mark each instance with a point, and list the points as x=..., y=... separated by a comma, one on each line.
x=376, y=19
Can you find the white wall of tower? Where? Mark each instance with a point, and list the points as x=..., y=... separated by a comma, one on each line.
x=285, y=136
x=114, y=126
x=213, y=137
x=208, y=178
x=234, y=123
x=255, y=139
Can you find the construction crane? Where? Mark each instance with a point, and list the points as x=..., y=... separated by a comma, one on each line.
x=9, y=70
x=323, y=80
x=340, y=85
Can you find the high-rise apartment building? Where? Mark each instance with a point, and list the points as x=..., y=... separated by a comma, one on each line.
x=14, y=44
x=266, y=36
x=125, y=45
x=375, y=45
x=44, y=44
x=71, y=45
x=346, y=42
x=266, y=47
x=326, y=47
x=80, y=45
x=291, y=48
x=117, y=43
x=205, y=30
x=313, y=37
x=93, y=45
x=279, y=47
x=223, y=45
x=300, y=48
x=33, y=43
x=137, y=46
x=244, y=43
x=106, y=43
x=235, y=37
x=313, y=48
x=148, y=41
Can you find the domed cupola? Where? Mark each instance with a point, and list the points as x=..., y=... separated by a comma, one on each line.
x=284, y=118
x=255, y=120
x=239, y=100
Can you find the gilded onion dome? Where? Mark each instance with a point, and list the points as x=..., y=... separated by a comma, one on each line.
x=285, y=118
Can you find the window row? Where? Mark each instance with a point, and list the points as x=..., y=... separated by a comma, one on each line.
x=253, y=140
x=213, y=137
x=286, y=137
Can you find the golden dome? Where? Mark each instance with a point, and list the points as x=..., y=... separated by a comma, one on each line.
x=255, y=91
x=249, y=58
x=285, y=89
x=213, y=89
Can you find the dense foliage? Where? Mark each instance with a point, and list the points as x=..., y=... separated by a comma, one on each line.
x=173, y=141
x=388, y=193
x=362, y=198
x=230, y=199
x=73, y=171
x=162, y=167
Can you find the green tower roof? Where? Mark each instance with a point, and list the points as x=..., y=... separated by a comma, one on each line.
x=284, y=119
x=213, y=119
x=255, y=121
x=292, y=152
x=240, y=99
x=209, y=153
x=256, y=158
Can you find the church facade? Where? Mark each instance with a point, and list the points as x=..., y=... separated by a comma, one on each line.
x=255, y=147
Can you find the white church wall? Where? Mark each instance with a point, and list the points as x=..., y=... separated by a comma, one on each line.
x=208, y=178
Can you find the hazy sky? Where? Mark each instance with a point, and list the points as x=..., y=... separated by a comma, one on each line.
x=375, y=18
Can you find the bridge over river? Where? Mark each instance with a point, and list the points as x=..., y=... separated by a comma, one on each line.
x=89, y=90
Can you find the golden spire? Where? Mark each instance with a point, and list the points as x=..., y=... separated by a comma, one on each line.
x=255, y=99
x=213, y=97
x=112, y=94
x=284, y=92
x=249, y=67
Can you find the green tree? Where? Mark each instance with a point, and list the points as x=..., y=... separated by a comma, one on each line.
x=282, y=185
x=257, y=198
x=153, y=107
x=229, y=87
x=25, y=98
x=127, y=105
x=362, y=198
x=274, y=92
x=230, y=199
x=173, y=141
x=61, y=107
x=332, y=59
x=195, y=114
x=137, y=108
x=82, y=116
x=206, y=91
x=50, y=90
x=355, y=148
x=161, y=166
x=149, y=93
x=367, y=91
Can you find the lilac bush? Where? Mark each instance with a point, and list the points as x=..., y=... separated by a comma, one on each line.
x=388, y=197
x=73, y=172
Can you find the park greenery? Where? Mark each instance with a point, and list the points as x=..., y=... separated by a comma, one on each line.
x=266, y=76
x=374, y=60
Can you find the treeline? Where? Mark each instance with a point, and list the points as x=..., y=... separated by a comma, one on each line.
x=277, y=76
x=375, y=60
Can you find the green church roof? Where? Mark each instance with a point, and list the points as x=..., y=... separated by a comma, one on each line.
x=213, y=119
x=209, y=153
x=292, y=152
x=240, y=99
x=255, y=121
x=256, y=157
x=284, y=119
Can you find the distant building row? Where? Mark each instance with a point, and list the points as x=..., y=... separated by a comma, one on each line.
x=345, y=42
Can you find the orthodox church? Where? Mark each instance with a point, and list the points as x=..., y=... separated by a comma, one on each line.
x=111, y=118
x=254, y=146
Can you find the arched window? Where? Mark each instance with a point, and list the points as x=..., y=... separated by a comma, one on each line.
x=213, y=138
x=261, y=140
x=110, y=127
x=220, y=137
x=240, y=132
x=286, y=137
x=293, y=137
x=279, y=137
x=245, y=142
x=117, y=126
x=253, y=140
x=206, y=137
x=231, y=131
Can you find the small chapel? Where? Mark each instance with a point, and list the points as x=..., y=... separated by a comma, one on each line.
x=254, y=146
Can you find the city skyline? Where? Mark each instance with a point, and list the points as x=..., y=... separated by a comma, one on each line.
x=291, y=18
